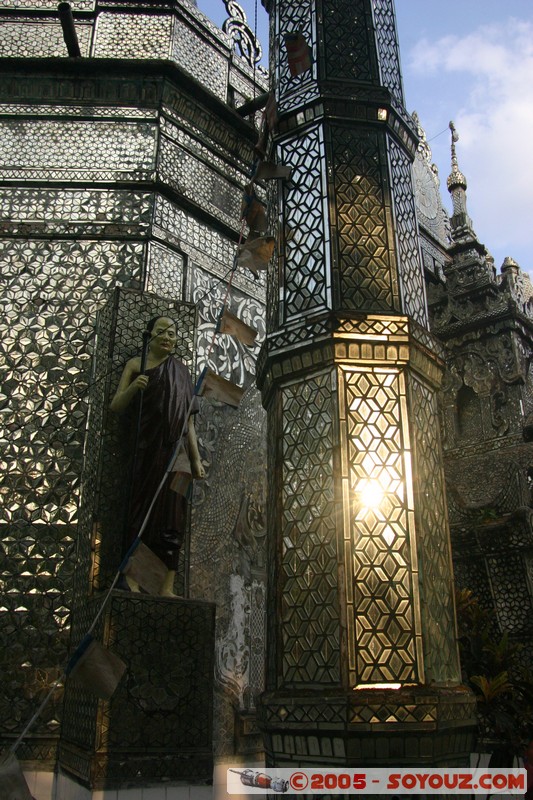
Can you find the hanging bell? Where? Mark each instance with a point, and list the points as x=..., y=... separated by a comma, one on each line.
x=253, y=211
x=261, y=144
x=271, y=113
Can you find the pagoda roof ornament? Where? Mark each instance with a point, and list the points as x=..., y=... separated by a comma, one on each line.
x=423, y=147
x=456, y=177
x=461, y=224
x=237, y=28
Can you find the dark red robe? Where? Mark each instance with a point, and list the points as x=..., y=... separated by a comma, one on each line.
x=165, y=403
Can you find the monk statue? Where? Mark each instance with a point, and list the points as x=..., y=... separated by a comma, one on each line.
x=167, y=409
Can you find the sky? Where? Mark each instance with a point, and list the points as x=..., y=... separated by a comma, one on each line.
x=470, y=61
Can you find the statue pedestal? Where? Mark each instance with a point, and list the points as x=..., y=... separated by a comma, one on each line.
x=415, y=725
x=157, y=726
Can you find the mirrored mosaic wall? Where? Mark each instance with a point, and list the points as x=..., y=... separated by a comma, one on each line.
x=80, y=215
x=52, y=291
x=180, y=34
x=158, y=724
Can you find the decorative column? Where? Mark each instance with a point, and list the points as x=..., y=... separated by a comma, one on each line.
x=362, y=655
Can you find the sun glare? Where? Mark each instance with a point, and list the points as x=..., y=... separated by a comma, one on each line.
x=370, y=493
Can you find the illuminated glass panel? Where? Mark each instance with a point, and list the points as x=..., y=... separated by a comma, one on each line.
x=367, y=268
x=347, y=37
x=292, y=17
x=378, y=518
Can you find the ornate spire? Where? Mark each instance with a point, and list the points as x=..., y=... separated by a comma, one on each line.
x=456, y=179
x=461, y=223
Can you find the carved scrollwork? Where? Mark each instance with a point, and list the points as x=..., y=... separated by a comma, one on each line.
x=237, y=28
x=488, y=368
x=501, y=350
x=498, y=404
x=516, y=285
x=423, y=147
x=233, y=651
x=479, y=371
x=471, y=274
x=453, y=312
x=452, y=380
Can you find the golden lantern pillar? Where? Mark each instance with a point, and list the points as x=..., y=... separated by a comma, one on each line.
x=362, y=665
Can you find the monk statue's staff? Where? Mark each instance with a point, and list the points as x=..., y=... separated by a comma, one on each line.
x=133, y=464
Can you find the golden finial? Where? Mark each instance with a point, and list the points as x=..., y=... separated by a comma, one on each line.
x=456, y=177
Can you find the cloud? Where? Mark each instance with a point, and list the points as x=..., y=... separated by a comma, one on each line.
x=492, y=69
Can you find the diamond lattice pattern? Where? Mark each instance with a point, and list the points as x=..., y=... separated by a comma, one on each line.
x=381, y=617
x=368, y=278
x=306, y=239
x=436, y=583
x=347, y=35
x=410, y=268
x=389, y=58
x=309, y=557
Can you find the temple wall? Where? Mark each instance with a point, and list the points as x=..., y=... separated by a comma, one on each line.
x=109, y=182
